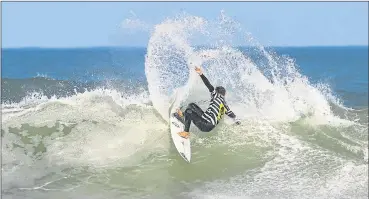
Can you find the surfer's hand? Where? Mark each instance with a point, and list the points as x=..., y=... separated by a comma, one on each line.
x=198, y=70
x=238, y=122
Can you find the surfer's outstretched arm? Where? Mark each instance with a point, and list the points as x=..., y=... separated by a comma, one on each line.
x=230, y=114
x=204, y=79
x=207, y=83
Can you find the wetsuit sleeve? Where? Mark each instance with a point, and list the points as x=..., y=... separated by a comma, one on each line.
x=229, y=112
x=207, y=83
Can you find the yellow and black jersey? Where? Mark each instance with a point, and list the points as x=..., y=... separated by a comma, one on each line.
x=217, y=107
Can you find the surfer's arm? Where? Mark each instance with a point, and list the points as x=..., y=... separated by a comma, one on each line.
x=230, y=114
x=204, y=79
x=207, y=83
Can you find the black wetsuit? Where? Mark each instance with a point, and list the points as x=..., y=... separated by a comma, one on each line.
x=207, y=120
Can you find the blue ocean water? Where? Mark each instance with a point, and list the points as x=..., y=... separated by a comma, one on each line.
x=344, y=69
x=82, y=64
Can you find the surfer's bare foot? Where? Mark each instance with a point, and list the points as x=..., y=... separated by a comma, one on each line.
x=179, y=112
x=184, y=134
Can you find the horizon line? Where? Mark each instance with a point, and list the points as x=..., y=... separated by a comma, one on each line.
x=90, y=47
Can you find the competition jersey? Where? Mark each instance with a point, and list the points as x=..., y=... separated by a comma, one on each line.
x=217, y=108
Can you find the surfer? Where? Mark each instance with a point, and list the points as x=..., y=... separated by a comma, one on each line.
x=206, y=121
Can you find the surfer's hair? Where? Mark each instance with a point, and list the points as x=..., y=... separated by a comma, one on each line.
x=221, y=90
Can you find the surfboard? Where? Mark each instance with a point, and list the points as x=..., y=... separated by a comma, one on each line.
x=182, y=145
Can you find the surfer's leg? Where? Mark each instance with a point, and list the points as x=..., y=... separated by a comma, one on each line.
x=188, y=119
x=203, y=125
x=191, y=106
x=196, y=109
x=190, y=115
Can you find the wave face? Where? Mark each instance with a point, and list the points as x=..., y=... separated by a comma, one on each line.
x=105, y=139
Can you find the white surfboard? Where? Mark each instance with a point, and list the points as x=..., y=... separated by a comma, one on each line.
x=182, y=145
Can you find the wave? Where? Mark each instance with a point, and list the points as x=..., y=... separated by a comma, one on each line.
x=17, y=90
x=273, y=88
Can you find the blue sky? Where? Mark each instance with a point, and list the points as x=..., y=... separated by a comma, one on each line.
x=84, y=24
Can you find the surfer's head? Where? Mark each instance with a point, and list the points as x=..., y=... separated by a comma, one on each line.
x=221, y=90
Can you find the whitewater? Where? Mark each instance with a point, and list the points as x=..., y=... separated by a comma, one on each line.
x=297, y=139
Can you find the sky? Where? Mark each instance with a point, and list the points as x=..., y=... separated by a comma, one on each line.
x=91, y=24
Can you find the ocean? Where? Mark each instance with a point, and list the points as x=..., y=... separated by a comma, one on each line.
x=93, y=122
